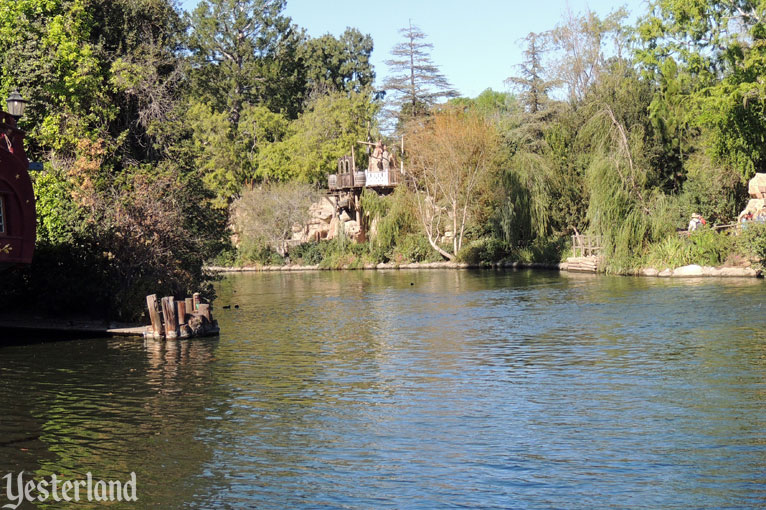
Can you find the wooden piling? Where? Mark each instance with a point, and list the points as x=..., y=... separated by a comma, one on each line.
x=169, y=313
x=181, y=309
x=184, y=331
x=189, y=305
x=204, y=310
x=154, y=315
x=196, y=301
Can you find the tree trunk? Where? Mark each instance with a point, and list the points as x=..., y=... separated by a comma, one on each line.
x=443, y=253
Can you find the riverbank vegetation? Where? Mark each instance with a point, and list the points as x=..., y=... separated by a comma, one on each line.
x=171, y=139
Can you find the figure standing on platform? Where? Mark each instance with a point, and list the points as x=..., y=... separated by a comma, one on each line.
x=386, y=158
x=376, y=159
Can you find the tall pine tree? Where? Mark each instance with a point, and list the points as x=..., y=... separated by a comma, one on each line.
x=415, y=82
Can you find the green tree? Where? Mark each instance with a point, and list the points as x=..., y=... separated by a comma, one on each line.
x=117, y=217
x=532, y=83
x=720, y=46
x=339, y=64
x=228, y=155
x=46, y=52
x=582, y=43
x=236, y=47
x=415, y=82
x=453, y=156
x=328, y=129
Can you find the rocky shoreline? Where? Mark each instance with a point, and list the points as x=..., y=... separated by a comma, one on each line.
x=696, y=271
x=691, y=271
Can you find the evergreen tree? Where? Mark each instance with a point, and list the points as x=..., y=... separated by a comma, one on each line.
x=238, y=47
x=339, y=64
x=415, y=82
x=534, y=87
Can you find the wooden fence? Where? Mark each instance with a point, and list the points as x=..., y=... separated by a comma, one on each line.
x=587, y=245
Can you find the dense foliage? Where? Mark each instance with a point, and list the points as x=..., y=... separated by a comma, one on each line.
x=160, y=129
x=150, y=122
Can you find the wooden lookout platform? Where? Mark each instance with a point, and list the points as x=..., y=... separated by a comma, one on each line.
x=382, y=175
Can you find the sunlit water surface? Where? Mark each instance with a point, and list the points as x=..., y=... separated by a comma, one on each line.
x=429, y=389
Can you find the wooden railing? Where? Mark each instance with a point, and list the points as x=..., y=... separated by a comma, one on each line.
x=587, y=245
x=361, y=179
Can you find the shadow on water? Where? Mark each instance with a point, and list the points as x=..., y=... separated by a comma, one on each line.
x=23, y=336
x=109, y=407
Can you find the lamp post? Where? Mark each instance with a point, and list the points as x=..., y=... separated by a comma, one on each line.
x=16, y=105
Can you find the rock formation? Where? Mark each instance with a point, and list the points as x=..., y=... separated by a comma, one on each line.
x=323, y=223
x=756, y=207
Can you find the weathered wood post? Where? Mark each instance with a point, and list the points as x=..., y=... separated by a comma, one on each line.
x=196, y=301
x=181, y=308
x=204, y=310
x=154, y=315
x=169, y=312
x=184, y=331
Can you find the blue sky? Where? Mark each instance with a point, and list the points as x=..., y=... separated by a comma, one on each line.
x=477, y=43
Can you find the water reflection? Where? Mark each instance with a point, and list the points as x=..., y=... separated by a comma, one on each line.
x=416, y=389
x=109, y=408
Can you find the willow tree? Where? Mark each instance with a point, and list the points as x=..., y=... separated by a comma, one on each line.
x=454, y=154
x=626, y=202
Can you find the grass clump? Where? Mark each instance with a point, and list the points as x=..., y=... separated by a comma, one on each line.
x=704, y=247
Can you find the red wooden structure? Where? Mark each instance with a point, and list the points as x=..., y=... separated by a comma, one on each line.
x=17, y=199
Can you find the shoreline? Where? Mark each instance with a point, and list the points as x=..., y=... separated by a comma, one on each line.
x=690, y=271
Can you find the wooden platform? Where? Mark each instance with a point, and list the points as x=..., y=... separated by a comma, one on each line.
x=70, y=328
x=591, y=264
x=41, y=325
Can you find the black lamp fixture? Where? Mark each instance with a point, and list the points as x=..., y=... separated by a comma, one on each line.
x=16, y=104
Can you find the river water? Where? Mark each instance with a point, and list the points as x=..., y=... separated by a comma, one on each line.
x=413, y=389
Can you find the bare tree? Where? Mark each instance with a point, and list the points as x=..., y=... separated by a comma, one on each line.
x=583, y=44
x=266, y=215
x=415, y=81
x=453, y=155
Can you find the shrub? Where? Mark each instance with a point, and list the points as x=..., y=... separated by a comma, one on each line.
x=339, y=252
x=752, y=242
x=415, y=248
x=252, y=252
x=547, y=249
x=308, y=254
x=483, y=251
x=705, y=247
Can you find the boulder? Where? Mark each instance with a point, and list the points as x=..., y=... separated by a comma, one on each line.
x=711, y=271
x=352, y=229
x=323, y=210
x=332, y=229
x=755, y=207
x=757, y=186
x=650, y=271
x=739, y=271
x=665, y=273
x=690, y=270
